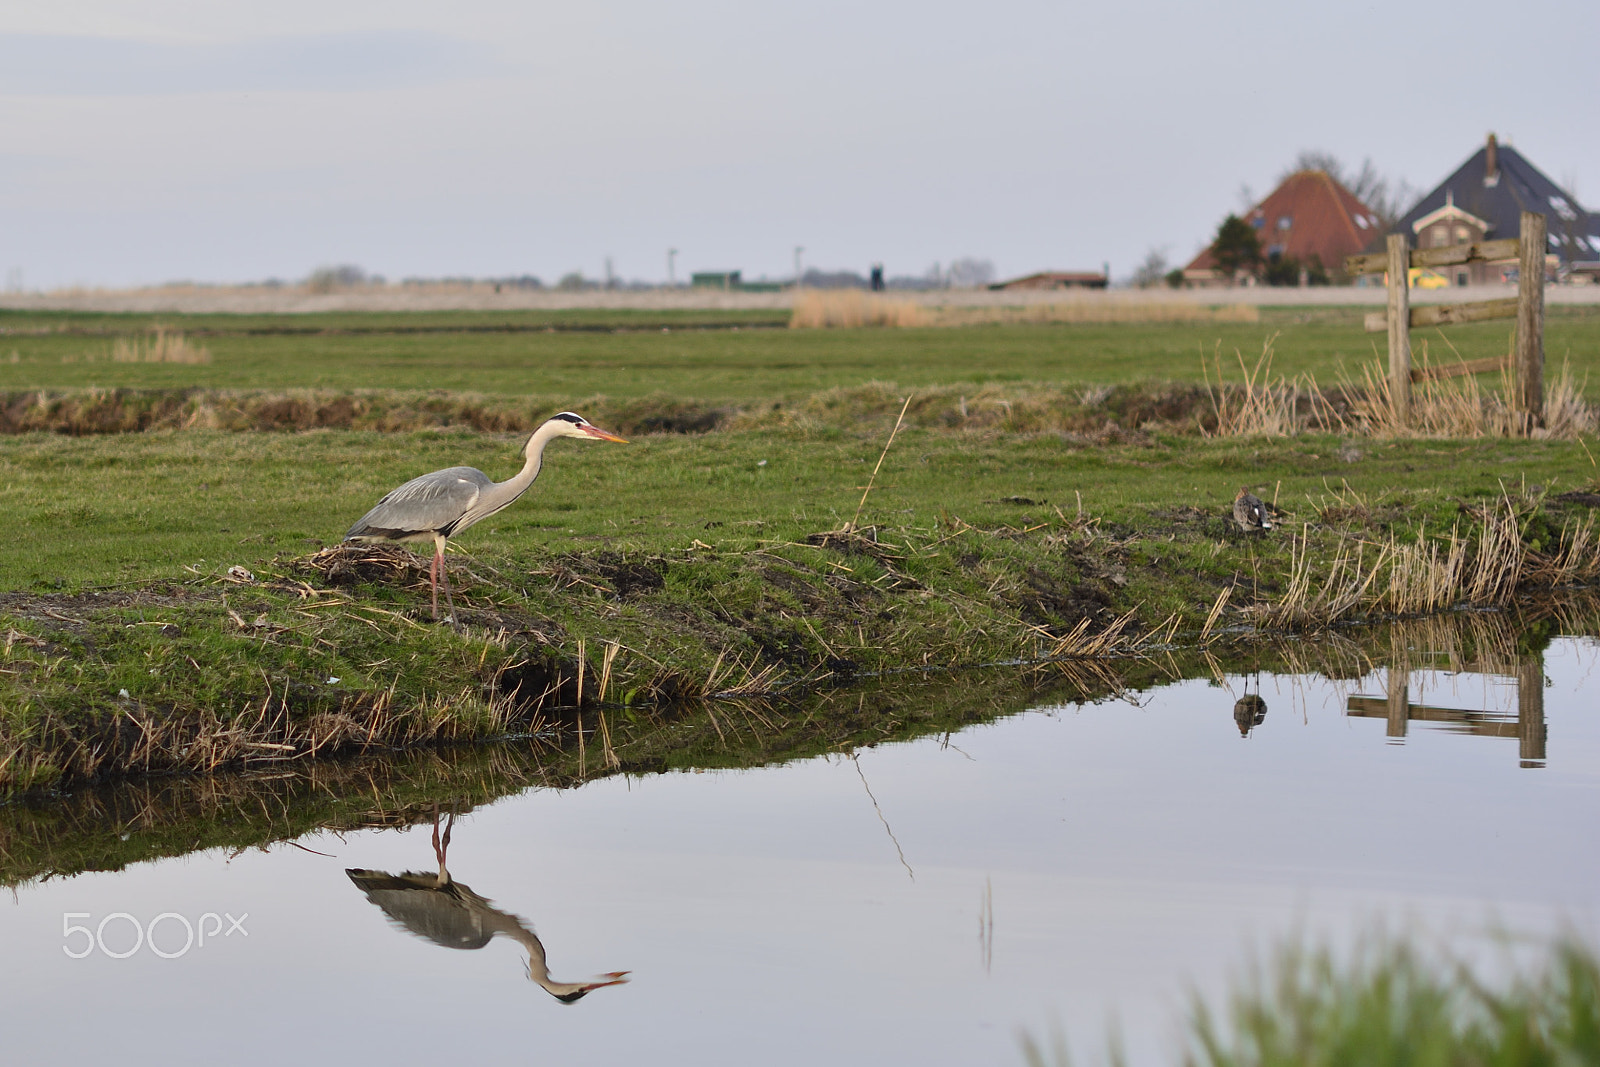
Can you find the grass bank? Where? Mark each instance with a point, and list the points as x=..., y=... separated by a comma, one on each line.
x=687, y=566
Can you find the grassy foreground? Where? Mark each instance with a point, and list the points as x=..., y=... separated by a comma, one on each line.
x=1393, y=1000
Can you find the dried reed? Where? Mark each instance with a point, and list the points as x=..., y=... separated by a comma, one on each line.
x=164, y=347
x=1464, y=407
x=1483, y=567
x=849, y=308
x=1262, y=406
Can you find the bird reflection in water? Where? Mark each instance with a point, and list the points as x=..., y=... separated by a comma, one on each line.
x=439, y=909
x=1249, y=711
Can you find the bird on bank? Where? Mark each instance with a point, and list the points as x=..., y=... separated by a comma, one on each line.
x=438, y=506
x=439, y=909
x=1250, y=513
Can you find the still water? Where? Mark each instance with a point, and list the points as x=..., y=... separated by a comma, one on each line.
x=915, y=902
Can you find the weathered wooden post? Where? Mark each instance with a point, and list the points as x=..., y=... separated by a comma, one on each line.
x=1530, y=709
x=1399, y=702
x=1400, y=326
x=1529, y=360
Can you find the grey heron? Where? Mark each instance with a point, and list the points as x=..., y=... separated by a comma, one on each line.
x=437, y=506
x=1250, y=513
x=437, y=908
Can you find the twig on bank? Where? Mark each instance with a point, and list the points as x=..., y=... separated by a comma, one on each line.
x=903, y=408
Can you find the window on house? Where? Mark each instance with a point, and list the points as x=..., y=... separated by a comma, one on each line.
x=1284, y=222
x=1440, y=236
x=1361, y=220
x=1462, y=235
x=1258, y=222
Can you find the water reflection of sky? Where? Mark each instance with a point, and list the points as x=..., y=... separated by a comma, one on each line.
x=766, y=915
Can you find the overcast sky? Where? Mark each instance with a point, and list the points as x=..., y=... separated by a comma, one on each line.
x=197, y=139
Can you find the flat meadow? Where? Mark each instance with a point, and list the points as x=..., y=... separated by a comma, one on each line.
x=1051, y=490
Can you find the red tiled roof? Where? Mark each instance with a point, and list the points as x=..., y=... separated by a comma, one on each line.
x=1325, y=220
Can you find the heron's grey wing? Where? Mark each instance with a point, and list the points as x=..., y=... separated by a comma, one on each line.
x=436, y=913
x=433, y=502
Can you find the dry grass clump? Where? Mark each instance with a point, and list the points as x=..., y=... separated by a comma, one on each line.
x=1483, y=567
x=1262, y=406
x=1464, y=407
x=849, y=308
x=164, y=347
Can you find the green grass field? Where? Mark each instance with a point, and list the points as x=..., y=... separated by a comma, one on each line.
x=702, y=357
x=130, y=508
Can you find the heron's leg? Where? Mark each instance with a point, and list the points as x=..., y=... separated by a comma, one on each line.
x=438, y=555
x=433, y=582
x=449, y=601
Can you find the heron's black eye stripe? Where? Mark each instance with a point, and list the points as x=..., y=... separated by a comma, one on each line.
x=567, y=416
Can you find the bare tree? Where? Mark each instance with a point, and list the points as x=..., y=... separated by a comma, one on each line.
x=1387, y=197
x=969, y=273
x=1153, y=271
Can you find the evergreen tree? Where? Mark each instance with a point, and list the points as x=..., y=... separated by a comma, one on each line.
x=1236, y=247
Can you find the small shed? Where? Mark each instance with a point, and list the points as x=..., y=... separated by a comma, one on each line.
x=1056, y=279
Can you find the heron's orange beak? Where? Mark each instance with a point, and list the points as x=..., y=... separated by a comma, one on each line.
x=599, y=434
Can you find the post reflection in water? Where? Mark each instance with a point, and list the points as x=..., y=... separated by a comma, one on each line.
x=1528, y=727
x=437, y=908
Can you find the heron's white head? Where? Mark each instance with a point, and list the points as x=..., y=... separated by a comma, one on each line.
x=568, y=424
x=572, y=992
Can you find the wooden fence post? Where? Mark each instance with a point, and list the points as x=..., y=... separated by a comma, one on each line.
x=1396, y=689
x=1529, y=361
x=1530, y=710
x=1400, y=326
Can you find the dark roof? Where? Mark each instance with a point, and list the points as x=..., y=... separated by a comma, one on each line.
x=1518, y=187
x=1056, y=279
x=1309, y=214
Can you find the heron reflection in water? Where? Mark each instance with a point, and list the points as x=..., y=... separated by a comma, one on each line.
x=440, y=909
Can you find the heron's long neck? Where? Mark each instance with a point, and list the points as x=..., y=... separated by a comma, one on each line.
x=505, y=492
x=538, y=969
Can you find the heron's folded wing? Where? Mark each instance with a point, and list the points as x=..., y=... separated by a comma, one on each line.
x=432, y=502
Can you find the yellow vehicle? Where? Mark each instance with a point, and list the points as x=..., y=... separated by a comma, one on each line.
x=1421, y=278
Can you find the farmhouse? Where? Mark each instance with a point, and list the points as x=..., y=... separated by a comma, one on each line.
x=1484, y=199
x=1310, y=219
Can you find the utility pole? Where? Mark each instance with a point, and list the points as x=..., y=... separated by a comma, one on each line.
x=798, y=250
x=672, y=280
